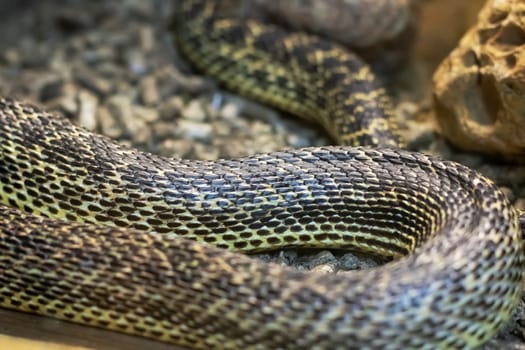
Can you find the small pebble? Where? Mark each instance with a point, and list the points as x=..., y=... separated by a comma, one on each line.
x=171, y=108
x=323, y=261
x=205, y=152
x=149, y=94
x=87, y=108
x=351, y=261
x=67, y=102
x=194, y=130
x=229, y=111
x=146, y=114
x=120, y=107
x=146, y=38
x=165, y=130
x=297, y=141
x=194, y=111
x=137, y=63
x=109, y=126
x=89, y=80
x=175, y=148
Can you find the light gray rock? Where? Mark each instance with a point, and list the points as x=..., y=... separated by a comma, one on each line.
x=87, y=109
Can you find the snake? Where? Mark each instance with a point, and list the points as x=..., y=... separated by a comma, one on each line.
x=98, y=233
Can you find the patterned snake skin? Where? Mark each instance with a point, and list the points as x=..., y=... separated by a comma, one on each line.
x=116, y=238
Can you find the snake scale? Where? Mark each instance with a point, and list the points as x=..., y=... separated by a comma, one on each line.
x=101, y=234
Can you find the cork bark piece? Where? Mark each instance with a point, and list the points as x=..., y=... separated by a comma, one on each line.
x=479, y=89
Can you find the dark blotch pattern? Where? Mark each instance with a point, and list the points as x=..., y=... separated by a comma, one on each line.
x=296, y=72
x=457, y=228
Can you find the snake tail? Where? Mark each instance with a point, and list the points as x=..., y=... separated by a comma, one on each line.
x=299, y=73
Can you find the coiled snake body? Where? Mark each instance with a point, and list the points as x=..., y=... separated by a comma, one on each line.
x=132, y=247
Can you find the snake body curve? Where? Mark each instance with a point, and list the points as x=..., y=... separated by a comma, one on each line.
x=299, y=73
x=82, y=251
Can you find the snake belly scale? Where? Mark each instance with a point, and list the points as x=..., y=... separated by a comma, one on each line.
x=100, y=234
